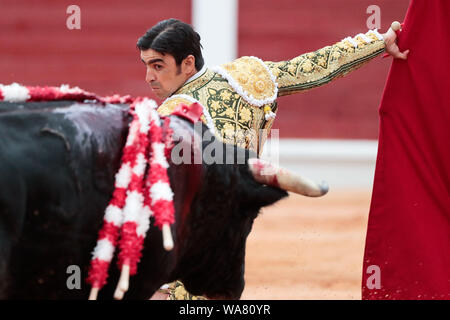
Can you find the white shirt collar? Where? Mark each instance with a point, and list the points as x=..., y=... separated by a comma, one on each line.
x=198, y=74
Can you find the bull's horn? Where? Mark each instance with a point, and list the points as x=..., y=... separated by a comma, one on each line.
x=122, y=286
x=272, y=175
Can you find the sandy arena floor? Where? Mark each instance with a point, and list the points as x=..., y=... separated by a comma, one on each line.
x=308, y=248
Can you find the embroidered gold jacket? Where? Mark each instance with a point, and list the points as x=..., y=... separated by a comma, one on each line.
x=239, y=98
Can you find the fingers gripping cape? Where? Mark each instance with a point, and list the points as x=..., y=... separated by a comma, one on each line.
x=407, y=254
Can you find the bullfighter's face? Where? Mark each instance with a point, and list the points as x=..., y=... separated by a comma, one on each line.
x=163, y=74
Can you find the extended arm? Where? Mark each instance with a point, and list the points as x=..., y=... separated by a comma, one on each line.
x=316, y=68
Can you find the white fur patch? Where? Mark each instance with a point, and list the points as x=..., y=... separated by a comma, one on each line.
x=133, y=206
x=155, y=117
x=140, y=165
x=15, y=93
x=143, y=110
x=113, y=214
x=144, y=221
x=104, y=250
x=123, y=177
x=158, y=154
x=161, y=191
x=65, y=88
x=132, y=133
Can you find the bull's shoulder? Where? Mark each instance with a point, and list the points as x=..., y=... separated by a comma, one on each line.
x=78, y=143
x=80, y=126
x=31, y=106
x=43, y=107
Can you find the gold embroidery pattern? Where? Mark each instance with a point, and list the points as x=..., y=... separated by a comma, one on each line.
x=168, y=106
x=177, y=291
x=196, y=84
x=322, y=66
x=252, y=76
x=235, y=121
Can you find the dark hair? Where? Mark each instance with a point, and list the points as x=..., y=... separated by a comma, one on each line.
x=174, y=37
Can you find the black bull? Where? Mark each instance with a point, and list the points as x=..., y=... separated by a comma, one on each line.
x=57, y=167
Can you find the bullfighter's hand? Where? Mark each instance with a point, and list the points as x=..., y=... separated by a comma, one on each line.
x=390, y=40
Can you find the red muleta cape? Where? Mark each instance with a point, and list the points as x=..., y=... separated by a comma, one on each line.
x=408, y=234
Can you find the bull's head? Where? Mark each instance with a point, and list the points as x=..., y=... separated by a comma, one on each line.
x=220, y=205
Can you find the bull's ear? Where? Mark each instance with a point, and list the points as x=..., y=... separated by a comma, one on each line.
x=257, y=195
x=266, y=195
